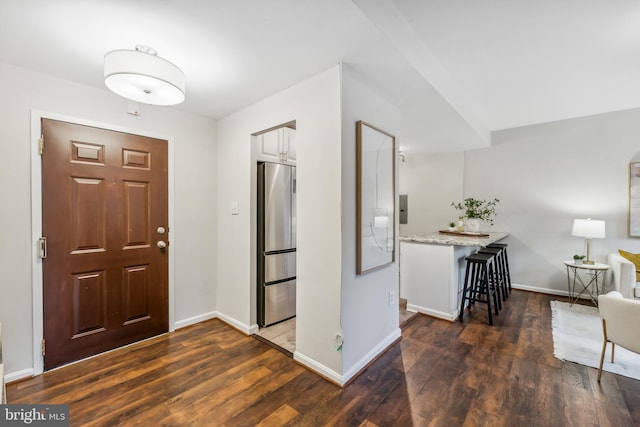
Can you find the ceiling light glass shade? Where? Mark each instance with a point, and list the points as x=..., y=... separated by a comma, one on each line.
x=144, y=77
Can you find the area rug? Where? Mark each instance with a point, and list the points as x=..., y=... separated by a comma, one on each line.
x=577, y=337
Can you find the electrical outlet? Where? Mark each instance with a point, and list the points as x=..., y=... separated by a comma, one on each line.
x=133, y=108
x=337, y=342
x=392, y=298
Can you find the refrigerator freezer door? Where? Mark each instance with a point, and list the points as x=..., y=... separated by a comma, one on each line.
x=279, y=302
x=279, y=211
x=279, y=266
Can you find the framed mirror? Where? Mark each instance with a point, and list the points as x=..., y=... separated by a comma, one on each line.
x=375, y=195
x=634, y=199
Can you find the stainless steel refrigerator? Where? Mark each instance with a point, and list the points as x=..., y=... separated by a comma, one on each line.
x=276, y=243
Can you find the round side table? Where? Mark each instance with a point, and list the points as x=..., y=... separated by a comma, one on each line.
x=595, y=285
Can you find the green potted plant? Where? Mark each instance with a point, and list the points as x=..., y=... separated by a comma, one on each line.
x=452, y=226
x=578, y=259
x=476, y=210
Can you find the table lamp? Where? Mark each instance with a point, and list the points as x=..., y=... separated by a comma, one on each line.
x=589, y=229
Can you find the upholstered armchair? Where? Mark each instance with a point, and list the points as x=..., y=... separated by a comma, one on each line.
x=619, y=323
x=624, y=276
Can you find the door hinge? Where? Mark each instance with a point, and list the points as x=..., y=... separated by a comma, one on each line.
x=41, y=144
x=43, y=346
x=42, y=242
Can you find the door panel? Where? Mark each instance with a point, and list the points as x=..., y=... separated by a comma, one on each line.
x=270, y=145
x=89, y=314
x=136, y=205
x=278, y=184
x=279, y=266
x=279, y=302
x=105, y=281
x=87, y=210
x=136, y=289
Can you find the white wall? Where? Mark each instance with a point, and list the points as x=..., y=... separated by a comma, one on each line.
x=369, y=322
x=431, y=183
x=545, y=176
x=194, y=207
x=315, y=106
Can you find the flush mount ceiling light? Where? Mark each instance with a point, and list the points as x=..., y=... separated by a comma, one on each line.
x=142, y=76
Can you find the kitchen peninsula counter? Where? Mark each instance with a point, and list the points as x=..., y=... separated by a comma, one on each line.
x=432, y=270
x=462, y=239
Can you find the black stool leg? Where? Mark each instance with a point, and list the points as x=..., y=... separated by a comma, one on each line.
x=506, y=266
x=465, y=289
x=487, y=285
x=496, y=292
x=504, y=290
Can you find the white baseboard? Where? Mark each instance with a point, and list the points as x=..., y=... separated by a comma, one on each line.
x=371, y=355
x=451, y=317
x=540, y=290
x=319, y=368
x=241, y=326
x=545, y=290
x=196, y=319
x=19, y=375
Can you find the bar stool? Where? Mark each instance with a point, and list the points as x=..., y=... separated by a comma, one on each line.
x=505, y=260
x=499, y=270
x=479, y=285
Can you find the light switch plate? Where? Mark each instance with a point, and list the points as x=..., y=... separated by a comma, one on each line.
x=234, y=207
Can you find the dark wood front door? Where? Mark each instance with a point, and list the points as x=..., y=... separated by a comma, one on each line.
x=104, y=208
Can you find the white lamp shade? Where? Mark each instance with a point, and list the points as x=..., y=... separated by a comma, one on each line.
x=588, y=228
x=144, y=77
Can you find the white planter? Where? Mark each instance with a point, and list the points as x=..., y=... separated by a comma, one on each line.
x=473, y=225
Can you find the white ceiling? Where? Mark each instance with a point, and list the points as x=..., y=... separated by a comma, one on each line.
x=458, y=69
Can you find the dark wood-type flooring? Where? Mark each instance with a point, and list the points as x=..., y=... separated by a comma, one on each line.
x=440, y=373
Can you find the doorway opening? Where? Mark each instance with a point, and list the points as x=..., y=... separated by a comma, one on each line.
x=276, y=199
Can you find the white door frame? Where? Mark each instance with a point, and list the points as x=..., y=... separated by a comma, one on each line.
x=36, y=219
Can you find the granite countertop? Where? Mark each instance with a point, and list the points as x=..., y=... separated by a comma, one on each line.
x=447, y=239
